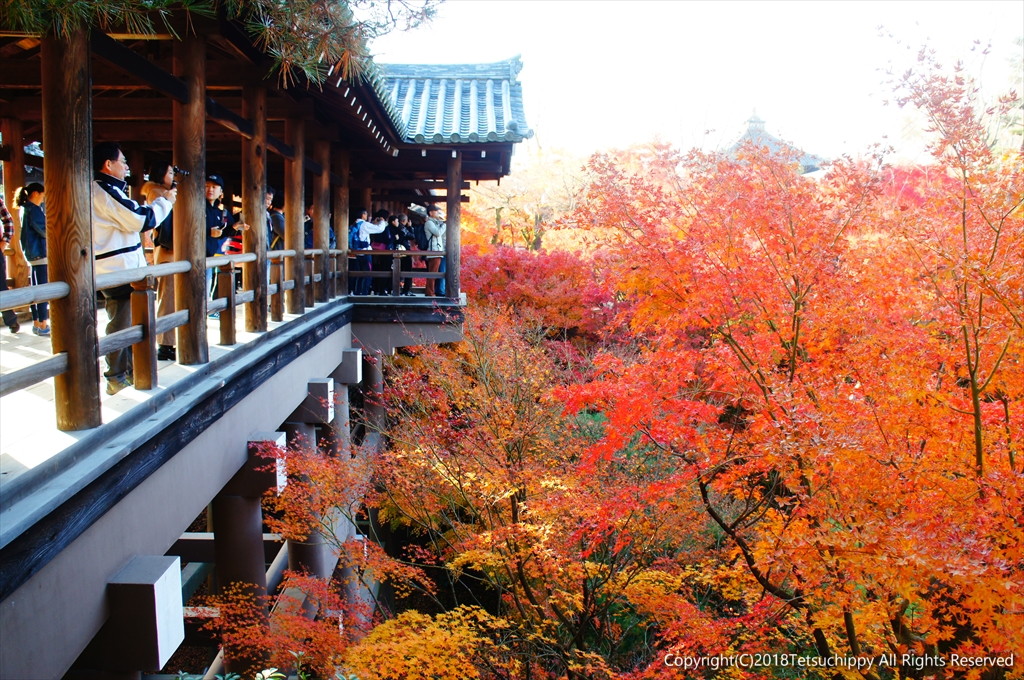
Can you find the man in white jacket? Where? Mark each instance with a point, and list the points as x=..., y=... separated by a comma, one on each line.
x=117, y=222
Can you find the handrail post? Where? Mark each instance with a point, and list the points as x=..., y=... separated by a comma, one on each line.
x=310, y=270
x=67, y=129
x=143, y=302
x=396, y=274
x=226, y=290
x=277, y=299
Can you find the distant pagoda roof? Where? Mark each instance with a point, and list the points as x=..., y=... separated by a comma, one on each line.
x=757, y=135
x=455, y=103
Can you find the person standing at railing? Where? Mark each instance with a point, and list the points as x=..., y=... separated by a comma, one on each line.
x=6, y=234
x=33, y=243
x=359, y=239
x=275, y=222
x=117, y=222
x=161, y=181
x=384, y=241
x=216, y=225
x=405, y=240
x=435, y=229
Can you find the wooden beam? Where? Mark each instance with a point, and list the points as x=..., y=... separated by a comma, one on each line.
x=138, y=67
x=410, y=184
x=453, y=218
x=138, y=108
x=67, y=127
x=278, y=146
x=295, y=267
x=415, y=198
x=228, y=118
x=254, y=191
x=225, y=75
x=189, y=130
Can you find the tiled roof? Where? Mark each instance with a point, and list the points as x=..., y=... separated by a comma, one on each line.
x=456, y=103
x=757, y=135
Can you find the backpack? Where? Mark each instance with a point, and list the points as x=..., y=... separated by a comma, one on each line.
x=419, y=234
x=353, y=239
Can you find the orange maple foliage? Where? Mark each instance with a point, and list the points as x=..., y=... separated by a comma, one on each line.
x=795, y=428
x=837, y=373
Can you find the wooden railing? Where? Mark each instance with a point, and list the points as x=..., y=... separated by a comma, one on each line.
x=394, y=272
x=327, y=276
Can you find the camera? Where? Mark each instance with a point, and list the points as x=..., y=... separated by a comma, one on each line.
x=178, y=172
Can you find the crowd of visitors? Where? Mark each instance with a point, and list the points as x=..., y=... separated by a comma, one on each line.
x=393, y=234
x=122, y=227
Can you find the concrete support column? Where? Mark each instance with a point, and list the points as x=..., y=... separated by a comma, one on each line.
x=236, y=516
x=237, y=523
x=374, y=390
x=236, y=519
x=310, y=555
x=348, y=372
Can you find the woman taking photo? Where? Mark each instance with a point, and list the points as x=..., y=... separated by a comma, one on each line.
x=161, y=181
x=33, y=242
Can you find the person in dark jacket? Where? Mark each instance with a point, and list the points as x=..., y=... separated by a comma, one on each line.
x=33, y=242
x=405, y=239
x=381, y=263
x=275, y=222
x=217, y=226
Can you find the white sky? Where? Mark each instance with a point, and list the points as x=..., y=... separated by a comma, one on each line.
x=603, y=73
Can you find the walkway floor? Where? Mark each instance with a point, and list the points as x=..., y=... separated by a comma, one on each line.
x=28, y=430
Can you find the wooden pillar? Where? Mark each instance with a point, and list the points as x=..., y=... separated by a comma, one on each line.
x=67, y=129
x=322, y=216
x=189, y=134
x=294, y=175
x=137, y=164
x=14, y=177
x=342, y=167
x=453, y=217
x=366, y=198
x=254, y=192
